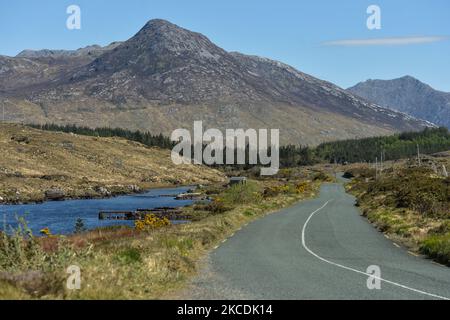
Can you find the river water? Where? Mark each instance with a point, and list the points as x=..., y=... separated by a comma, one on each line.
x=60, y=216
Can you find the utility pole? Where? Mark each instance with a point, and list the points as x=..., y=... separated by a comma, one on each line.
x=381, y=162
x=376, y=168
x=418, y=154
x=335, y=168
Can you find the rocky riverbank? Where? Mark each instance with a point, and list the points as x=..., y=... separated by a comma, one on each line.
x=39, y=165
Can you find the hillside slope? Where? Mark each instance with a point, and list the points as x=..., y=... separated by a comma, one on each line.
x=35, y=161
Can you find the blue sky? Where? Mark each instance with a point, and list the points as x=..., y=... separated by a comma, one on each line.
x=292, y=31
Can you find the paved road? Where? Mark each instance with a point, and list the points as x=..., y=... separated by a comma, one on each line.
x=317, y=249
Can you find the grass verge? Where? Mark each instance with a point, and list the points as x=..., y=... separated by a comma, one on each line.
x=410, y=204
x=123, y=263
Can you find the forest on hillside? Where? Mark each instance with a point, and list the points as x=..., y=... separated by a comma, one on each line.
x=145, y=138
x=397, y=146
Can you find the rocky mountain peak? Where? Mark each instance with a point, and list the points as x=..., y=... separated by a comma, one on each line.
x=160, y=35
x=409, y=95
x=159, y=46
x=408, y=78
x=158, y=24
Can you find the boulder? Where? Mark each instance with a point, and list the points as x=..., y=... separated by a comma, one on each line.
x=103, y=191
x=55, y=194
x=134, y=188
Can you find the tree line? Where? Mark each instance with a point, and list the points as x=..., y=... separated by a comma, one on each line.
x=393, y=147
x=146, y=138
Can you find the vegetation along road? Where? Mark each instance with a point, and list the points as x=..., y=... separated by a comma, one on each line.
x=317, y=249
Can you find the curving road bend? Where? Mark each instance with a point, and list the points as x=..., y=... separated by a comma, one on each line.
x=317, y=249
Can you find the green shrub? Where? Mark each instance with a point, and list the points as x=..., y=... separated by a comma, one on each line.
x=348, y=175
x=37, y=265
x=274, y=191
x=216, y=207
x=437, y=247
x=20, y=250
x=129, y=256
x=321, y=176
x=181, y=244
x=79, y=226
x=360, y=172
x=413, y=188
x=249, y=213
x=249, y=192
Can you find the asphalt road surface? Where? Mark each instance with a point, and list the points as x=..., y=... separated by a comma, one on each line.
x=317, y=249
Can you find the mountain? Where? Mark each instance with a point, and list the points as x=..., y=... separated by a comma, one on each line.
x=407, y=95
x=93, y=51
x=165, y=77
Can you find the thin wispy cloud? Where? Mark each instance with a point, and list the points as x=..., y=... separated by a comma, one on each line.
x=393, y=41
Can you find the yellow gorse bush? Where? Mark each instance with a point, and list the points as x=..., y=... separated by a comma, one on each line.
x=302, y=187
x=275, y=190
x=46, y=232
x=298, y=188
x=151, y=221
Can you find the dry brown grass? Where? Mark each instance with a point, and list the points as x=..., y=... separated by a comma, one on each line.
x=34, y=161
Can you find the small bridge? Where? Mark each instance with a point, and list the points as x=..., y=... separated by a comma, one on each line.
x=170, y=213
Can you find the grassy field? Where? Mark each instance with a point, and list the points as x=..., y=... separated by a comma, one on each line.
x=409, y=203
x=35, y=161
x=123, y=263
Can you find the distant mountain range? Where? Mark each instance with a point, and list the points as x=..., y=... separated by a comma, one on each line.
x=165, y=77
x=407, y=95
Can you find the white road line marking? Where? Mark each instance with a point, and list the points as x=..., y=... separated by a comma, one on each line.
x=224, y=240
x=396, y=245
x=356, y=270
